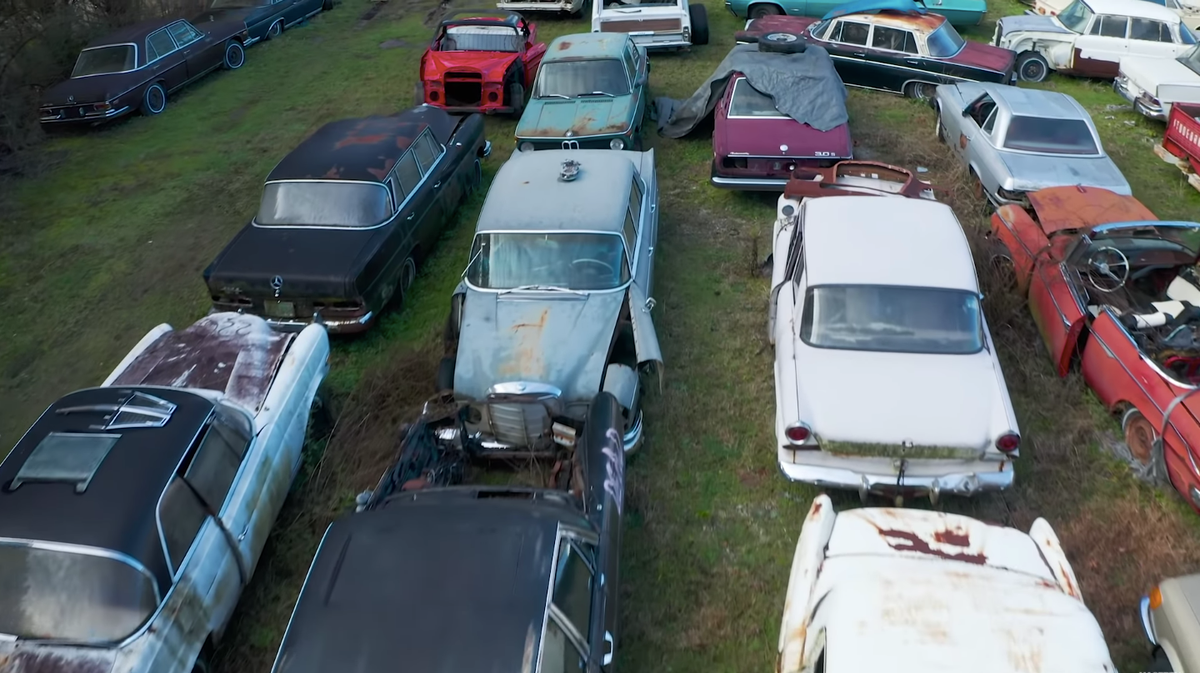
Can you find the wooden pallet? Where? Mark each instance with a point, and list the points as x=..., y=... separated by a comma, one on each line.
x=1193, y=178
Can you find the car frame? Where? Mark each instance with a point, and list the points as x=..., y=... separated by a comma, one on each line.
x=976, y=121
x=653, y=24
x=295, y=263
x=192, y=444
x=964, y=13
x=1153, y=85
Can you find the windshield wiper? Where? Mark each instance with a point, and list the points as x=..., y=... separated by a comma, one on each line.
x=596, y=93
x=541, y=288
x=554, y=95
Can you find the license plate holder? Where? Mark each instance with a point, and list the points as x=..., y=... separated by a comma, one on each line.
x=280, y=309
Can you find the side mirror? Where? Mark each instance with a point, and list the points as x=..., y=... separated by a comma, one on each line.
x=966, y=112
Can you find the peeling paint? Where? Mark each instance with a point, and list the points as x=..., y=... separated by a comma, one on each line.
x=906, y=540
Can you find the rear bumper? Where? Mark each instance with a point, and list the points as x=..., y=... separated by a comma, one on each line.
x=661, y=40
x=881, y=476
x=333, y=326
x=749, y=184
x=89, y=119
x=1143, y=106
x=570, y=6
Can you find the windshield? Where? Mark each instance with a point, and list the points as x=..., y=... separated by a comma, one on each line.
x=324, y=204
x=944, y=42
x=1192, y=59
x=104, y=60
x=1075, y=17
x=572, y=261
x=569, y=79
x=481, y=38
x=750, y=102
x=1140, y=240
x=1050, y=136
x=65, y=595
x=891, y=318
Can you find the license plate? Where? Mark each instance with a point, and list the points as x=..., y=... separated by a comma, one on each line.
x=280, y=309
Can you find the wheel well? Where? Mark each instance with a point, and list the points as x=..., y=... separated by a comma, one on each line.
x=776, y=5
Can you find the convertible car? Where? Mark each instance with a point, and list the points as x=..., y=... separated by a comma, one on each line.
x=480, y=63
x=1117, y=291
x=347, y=216
x=133, y=514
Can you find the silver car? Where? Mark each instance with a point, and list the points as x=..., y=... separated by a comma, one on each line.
x=1016, y=141
x=554, y=305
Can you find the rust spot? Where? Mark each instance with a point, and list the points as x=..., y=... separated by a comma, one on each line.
x=381, y=173
x=1073, y=208
x=906, y=540
x=954, y=538
x=564, y=45
x=816, y=508
x=1066, y=578
x=361, y=140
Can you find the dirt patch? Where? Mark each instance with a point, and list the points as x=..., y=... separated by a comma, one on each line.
x=371, y=13
x=393, y=44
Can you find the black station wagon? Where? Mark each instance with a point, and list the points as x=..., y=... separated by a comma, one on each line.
x=347, y=216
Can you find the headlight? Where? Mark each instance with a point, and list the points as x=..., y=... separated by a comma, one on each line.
x=616, y=144
x=525, y=147
x=1011, y=195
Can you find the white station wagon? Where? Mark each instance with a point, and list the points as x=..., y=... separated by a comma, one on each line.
x=881, y=589
x=132, y=515
x=886, y=377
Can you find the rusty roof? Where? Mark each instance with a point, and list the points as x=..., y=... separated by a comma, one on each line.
x=1078, y=207
x=586, y=45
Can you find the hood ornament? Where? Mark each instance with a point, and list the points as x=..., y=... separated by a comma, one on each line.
x=277, y=284
x=570, y=171
x=570, y=133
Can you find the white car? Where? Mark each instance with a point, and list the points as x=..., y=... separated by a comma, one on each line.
x=1090, y=37
x=1153, y=85
x=1188, y=10
x=653, y=24
x=134, y=513
x=881, y=589
x=563, y=6
x=886, y=377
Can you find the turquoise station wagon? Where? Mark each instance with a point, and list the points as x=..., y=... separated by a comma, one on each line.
x=590, y=93
x=958, y=12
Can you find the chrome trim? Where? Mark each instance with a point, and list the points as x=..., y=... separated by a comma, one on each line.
x=296, y=325
x=1147, y=623
x=109, y=114
x=569, y=534
x=523, y=387
x=115, y=72
x=292, y=617
x=961, y=483
x=765, y=184
x=1133, y=224
x=632, y=440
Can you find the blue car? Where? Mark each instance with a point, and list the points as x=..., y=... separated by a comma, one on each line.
x=959, y=12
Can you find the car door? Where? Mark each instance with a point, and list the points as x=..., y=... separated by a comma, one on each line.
x=534, y=53
x=165, y=61
x=970, y=124
x=1149, y=37
x=894, y=55
x=438, y=173
x=1099, y=52
x=1057, y=311
x=635, y=67
x=847, y=42
x=191, y=45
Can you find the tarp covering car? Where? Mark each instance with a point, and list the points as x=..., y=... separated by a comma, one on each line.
x=805, y=86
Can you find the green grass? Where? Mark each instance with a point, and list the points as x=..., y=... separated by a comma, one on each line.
x=112, y=241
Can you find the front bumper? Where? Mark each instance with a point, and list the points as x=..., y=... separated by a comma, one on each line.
x=89, y=118
x=881, y=476
x=630, y=443
x=468, y=109
x=1140, y=103
x=1147, y=622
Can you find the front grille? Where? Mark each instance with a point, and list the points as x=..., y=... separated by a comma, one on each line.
x=570, y=144
x=918, y=451
x=522, y=425
x=463, y=88
x=642, y=26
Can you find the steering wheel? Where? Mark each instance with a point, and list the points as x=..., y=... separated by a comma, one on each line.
x=1108, y=269
x=605, y=265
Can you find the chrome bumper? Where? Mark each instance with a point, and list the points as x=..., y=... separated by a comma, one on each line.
x=661, y=41
x=1147, y=625
x=334, y=326
x=565, y=6
x=880, y=476
x=104, y=116
x=749, y=184
x=1143, y=108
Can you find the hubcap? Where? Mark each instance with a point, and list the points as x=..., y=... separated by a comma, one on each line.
x=781, y=37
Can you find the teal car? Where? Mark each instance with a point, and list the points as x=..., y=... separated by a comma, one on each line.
x=590, y=93
x=962, y=13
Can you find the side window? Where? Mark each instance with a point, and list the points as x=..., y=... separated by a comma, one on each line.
x=1149, y=30
x=850, y=32
x=216, y=462
x=397, y=190
x=181, y=516
x=893, y=39
x=990, y=123
x=183, y=33
x=630, y=61
x=797, y=262
x=572, y=593
x=1110, y=26
x=559, y=654
x=158, y=44
x=635, y=202
x=981, y=109
x=408, y=172
x=423, y=149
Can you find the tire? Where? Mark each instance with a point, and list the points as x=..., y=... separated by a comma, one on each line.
x=154, y=100
x=274, y=31
x=1001, y=265
x=516, y=98
x=408, y=274
x=759, y=11
x=445, y=375
x=923, y=91
x=235, y=55
x=1032, y=67
x=419, y=94
x=699, y=17
x=476, y=176
x=1139, y=435
x=782, y=43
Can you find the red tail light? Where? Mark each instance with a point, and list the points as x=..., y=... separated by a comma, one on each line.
x=797, y=433
x=1008, y=442
x=101, y=107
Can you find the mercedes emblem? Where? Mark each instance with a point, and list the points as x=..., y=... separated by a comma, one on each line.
x=277, y=284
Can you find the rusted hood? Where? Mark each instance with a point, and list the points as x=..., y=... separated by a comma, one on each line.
x=556, y=338
x=985, y=56
x=577, y=118
x=491, y=64
x=1079, y=207
x=52, y=659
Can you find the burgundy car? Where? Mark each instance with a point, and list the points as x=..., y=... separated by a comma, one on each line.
x=756, y=147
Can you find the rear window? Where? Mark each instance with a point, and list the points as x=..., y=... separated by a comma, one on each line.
x=750, y=102
x=104, y=60
x=66, y=595
x=893, y=319
x=1050, y=136
x=352, y=205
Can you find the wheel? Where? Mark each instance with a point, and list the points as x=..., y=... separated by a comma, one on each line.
x=445, y=375
x=1032, y=67
x=699, y=16
x=408, y=274
x=1002, y=267
x=275, y=30
x=235, y=55
x=154, y=100
x=516, y=98
x=923, y=91
x=759, y=11
x=1139, y=437
x=477, y=176
x=419, y=94
x=782, y=43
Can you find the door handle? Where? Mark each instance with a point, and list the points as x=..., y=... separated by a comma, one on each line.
x=242, y=535
x=410, y=216
x=912, y=61
x=608, y=656
x=860, y=54
x=437, y=184
x=650, y=251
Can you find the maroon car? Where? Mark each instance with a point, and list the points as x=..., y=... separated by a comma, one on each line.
x=136, y=67
x=756, y=147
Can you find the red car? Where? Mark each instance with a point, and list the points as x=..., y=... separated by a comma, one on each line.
x=756, y=147
x=1181, y=142
x=1115, y=290
x=480, y=63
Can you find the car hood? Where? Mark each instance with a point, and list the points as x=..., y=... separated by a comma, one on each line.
x=93, y=89
x=780, y=137
x=1029, y=172
x=579, y=117
x=985, y=56
x=556, y=338
x=1031, y=23
x=24, y=658
x=955, y=401
x=1151, y=73
x=491, y=64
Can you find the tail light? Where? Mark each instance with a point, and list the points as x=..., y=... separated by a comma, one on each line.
x=797, y=433
x=101, y=107
x=1008, y=442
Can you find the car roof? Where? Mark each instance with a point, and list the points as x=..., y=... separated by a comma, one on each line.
x=885, y=240
x=528, y=194
x=135, y=32
x=362, y=149
x=1137, y=8
x=117, y=511
x=444, y=578
x=1035, y=102
x=586, y=45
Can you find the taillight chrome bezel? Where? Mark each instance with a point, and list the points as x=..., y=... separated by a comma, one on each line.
x=800, y=426
x=1016, y=443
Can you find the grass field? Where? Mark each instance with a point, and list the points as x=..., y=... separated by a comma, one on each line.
x=110, y=239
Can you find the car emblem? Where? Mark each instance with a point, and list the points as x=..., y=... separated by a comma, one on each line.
x=277, y=284
x=70, y=99
x=783, y=148
x=782, y=37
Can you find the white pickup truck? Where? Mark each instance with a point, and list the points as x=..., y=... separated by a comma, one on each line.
x=653, y=24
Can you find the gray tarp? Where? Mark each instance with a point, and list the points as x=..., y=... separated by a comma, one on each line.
x=805, y=87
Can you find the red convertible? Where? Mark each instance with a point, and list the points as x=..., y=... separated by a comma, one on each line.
x=1116, y=290
x=480, y=63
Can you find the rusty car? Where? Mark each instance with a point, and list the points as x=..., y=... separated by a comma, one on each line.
x=137, y=67
x=929, y=588
x=1181, y=142
x=1090, y=37
x=1014, y=140
x=132, y=514
x=480, y=61
x=347, y=216
x=1115, y=291
x=590, y=93
x=554, y=305
x=853, y=177
x=903, y=314
x=1169, y=619
x=505, y=577
x=889, y=45
x=653, y=24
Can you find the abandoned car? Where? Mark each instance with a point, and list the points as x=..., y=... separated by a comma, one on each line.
x=1169, y=618
x=653, y=24
x=1115, y=290
x=480, y=63
x=1188, y=10
x=590, y=93
x=1090, y=37
x=854, y=177
x=1153, y=85
x=890, y=45
x=871, y=576
x=132, y=515
x=903, y=312
x=555, y=301
x=137, y=67
x=346, y=217
x=265, y=19
x=571, y=7
x=1181, y=142
x=506, y=578
x=963, y=13
x=1014, y=141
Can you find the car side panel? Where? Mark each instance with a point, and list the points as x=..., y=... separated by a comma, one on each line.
x=1023, y=238
x=171, y=70
x=1098, y=56
x=1057, y=313
x=604, y=472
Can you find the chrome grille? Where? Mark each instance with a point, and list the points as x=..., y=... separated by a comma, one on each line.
x=523, y=425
